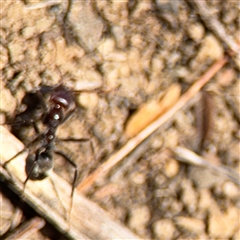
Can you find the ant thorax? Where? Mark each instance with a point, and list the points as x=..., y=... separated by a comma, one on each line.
x=48, y=107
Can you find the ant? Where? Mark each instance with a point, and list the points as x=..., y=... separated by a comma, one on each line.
x=62, y=104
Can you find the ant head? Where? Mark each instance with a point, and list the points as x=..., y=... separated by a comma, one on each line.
x=40, y=168
x=62, y=96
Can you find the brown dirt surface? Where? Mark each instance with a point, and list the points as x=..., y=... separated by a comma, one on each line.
x=133, y=51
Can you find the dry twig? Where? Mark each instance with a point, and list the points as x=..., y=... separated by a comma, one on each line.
x=42, y=5
x=135, y=141
x=151, y=110
x=204, y=119
x=187, y=156
x=87, y=220
x=27, y=229
x=216, y=27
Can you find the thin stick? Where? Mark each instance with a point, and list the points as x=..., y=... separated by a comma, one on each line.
x=42, y=5
x=27, y=229
x=185, y=155
x=135, y=141
x=88, y=221
x=215, y=26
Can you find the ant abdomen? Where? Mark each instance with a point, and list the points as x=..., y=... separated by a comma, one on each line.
x=40, y=169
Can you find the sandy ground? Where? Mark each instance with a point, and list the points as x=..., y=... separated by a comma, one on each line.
x=134, y=51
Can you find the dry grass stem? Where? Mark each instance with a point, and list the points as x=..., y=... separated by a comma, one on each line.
x=27, y=229
x=42, y=5
x=150, y=111
x=187, y=156
x=215, y=25
x=204, y=119
x=135, y=141
x=87, y=220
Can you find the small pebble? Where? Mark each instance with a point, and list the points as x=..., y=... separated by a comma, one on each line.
x=196, y=31
x=8, y=102
x=231, y=190
x=4, y=58
x=164, y=229
x=223, y=224
x=226, y=77
x=139, y=218
x=87, y=26
x=88, y=100
x=171, y=168
x=138, y=178
x=189, y=224
x=211, y=49
x=205, y=200
x=189, y=196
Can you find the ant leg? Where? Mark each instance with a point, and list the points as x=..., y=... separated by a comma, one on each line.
x=29, y=173
x=76, y=170
x=79, y=140
x=20, y=152
x=21, y=122
x=59, y=197
x=42, y=101
x=8, y=161
x=36, y=128
x=76, y=173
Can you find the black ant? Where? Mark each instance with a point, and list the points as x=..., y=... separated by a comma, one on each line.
x=62, y=104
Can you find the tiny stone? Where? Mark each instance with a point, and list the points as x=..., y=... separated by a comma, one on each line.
x=231, y=190
x=8, y=103
x=164, y=229
x=226, y=77
x=138, y=178
x=176, y=207
x=182, y=72
x=88, y=100
x=223, y=224
x=171, y=168
x=16, y=49
x=191, y=225
x=189, y=196
x=157, y=65
x=3, y=57
x=157, y=143
x=106, y=47
x=196, y=31
x=205, y=200
x=88, y=27
x=139, y=218
x=210, y=49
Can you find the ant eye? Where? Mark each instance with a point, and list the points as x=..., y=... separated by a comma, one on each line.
x=62, y=101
